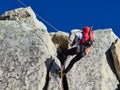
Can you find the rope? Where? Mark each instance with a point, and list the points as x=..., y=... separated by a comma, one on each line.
x=39, y=17
x=42, y=20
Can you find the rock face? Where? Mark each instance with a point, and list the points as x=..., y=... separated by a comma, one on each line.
x=28, y=56
x=95, y=71
x=115, y=49
x=26, y=51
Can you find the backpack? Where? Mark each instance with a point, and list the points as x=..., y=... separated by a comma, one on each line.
x=88, y=38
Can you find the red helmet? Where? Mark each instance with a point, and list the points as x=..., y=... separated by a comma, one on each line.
x=86, y=29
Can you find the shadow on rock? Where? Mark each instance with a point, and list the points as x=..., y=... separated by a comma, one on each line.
x=49, y=65
x=110, y=61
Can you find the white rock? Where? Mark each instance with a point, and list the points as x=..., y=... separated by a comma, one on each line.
x=26, y=52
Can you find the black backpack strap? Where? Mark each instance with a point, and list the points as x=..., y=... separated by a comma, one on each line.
x=91, y=28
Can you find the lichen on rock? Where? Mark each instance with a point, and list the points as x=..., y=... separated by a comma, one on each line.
x=24, y=49
x=28, y=56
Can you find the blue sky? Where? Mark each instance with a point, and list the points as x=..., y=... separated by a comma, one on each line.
x=69, y=14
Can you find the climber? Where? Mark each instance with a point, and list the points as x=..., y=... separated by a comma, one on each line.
x=84, y=40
